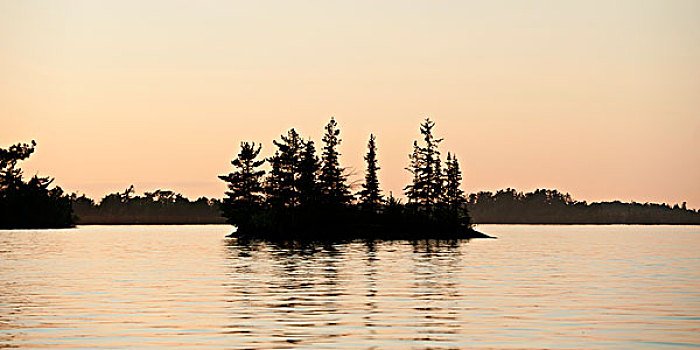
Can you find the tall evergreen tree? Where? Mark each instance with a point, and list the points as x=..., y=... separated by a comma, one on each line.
x=310, y=166
x=370, y=195
x=431, y=174
x=412, y=190
x=245, y=187
x=245, y=194
x=454, y=196
x=332, y=180
x=273, y=184
x=282, y=183
x=437, y=186
x=427, y=187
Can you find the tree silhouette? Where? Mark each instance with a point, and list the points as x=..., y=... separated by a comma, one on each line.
x=370, y=195
x=413, y=190
x=29, y=204
x=282, y=182
x=332, y=180
x=245, y=194
x=244, y=185
x=10, y=175
x=454, y=196
x=427, y=187
x=309, y=168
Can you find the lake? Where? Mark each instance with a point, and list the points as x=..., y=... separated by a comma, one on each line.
x=165, y=287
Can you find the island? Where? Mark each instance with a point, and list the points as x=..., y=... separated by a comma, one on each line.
x=306, y=196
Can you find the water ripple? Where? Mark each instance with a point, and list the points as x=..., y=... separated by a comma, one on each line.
x=163, y=287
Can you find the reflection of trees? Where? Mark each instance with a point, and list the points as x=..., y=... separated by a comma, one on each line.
x=307, y=293
x=371, y=280
x=283, y=290
x=435, y=263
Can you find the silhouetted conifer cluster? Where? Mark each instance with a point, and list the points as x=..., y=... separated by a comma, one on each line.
x=30, y=204
x=304, y=196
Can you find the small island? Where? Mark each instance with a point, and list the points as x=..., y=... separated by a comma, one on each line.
x=307, y=197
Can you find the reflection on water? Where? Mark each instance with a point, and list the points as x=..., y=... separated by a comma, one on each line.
x=622, y=287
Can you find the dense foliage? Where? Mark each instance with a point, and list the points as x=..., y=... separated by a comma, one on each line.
x=305, y=197
x=29, y=204
x=552, y=207
x=157, y=207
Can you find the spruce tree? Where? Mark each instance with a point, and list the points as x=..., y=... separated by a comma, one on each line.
x=431, y=175
x=454, y=196
x=334, y=190
x=412, y=190
x=427, y=187
x=310, y=166
x=437, y=186
x=370, y=195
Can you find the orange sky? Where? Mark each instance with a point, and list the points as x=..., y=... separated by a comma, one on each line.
x=595, y=98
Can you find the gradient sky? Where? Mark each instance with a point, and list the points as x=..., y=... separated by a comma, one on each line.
x=600, y=99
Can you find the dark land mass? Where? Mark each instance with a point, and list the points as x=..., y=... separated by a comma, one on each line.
x=160, y=207
x=29, y=203
x=553, y=207
x=502, y=207
x=365, y=232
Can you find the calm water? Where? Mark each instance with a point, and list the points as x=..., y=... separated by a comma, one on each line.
x=612, y=287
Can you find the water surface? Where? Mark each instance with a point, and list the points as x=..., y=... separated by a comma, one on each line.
x=164, y=287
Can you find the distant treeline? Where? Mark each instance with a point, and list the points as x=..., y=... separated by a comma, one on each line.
x=157, y=207
x=552, y=207
x=509, y=206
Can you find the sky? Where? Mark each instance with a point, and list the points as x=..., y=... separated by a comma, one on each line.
x=600, y=99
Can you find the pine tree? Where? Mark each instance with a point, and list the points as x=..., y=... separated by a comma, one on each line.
x=245, y=194
x=332, y=180
x=282, y=183
x=272, y=184
x=244, y=185
x=10, y=175
x=29, y=204
x=371, y=194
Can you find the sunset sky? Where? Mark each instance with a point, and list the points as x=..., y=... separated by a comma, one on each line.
x=600, y=99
